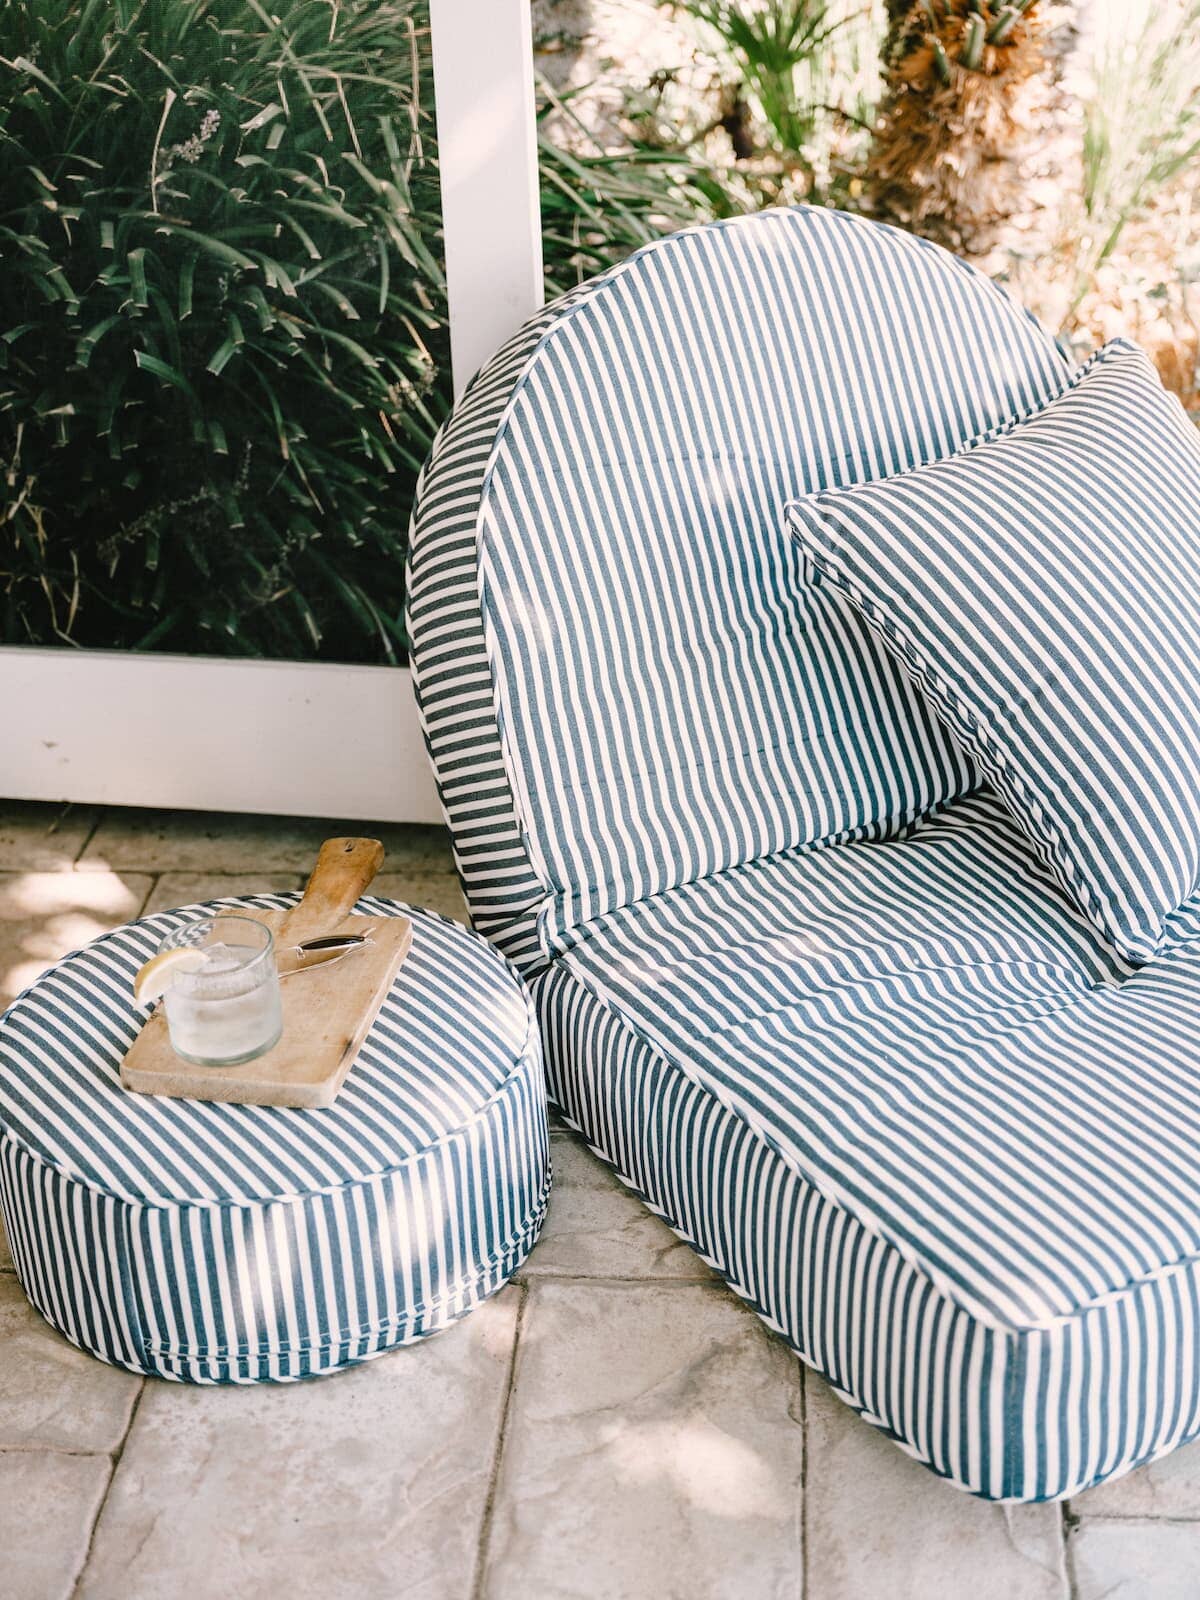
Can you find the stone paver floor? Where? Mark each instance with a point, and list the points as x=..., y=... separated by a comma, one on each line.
x=613, y=1426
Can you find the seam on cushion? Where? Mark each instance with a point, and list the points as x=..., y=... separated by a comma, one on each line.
x=883, y=830
x=691, y=769
x=201, y=1202
x=138, y=1328
x=533, y=852
x=873, y=982
x=864, y=1216
x=1015, y=1497
x=289, y=1197
x=1016, y=1358
x=523, y=1238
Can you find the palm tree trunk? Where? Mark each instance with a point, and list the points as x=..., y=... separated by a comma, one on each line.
x=976, y=136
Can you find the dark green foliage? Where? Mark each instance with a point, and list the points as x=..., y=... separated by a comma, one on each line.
x=223, y=347
x=221, y=322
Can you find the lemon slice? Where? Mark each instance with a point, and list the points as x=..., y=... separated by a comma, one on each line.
x=157, y=976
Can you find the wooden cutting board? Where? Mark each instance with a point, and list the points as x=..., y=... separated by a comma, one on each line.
x=327, y=1010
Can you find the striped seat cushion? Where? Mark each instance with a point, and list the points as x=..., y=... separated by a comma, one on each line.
x=230, y=1244
x=1043, y=589
x=842, y=1069
x=846, y=1075
x=626, y=681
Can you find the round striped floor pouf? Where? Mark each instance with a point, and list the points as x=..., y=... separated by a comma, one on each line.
x=236, y=1244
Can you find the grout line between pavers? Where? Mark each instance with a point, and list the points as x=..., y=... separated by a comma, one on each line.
x=1068, y=1522
x=57, y=1450
x=91, y=834
x=668, y=1280
x=1131, y=1518
x=112, y=1478
x=615, y=1281
x=479, y=1577
x=802, y=1384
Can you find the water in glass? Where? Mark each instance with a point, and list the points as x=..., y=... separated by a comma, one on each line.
x=227, y=1010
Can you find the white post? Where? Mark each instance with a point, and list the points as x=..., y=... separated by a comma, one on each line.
x=487, y=152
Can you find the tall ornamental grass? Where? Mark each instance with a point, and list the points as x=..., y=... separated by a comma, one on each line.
x=223, y=348
x=221, y=322
x=1141, y=129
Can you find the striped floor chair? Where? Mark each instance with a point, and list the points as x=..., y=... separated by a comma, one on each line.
x=801, y=979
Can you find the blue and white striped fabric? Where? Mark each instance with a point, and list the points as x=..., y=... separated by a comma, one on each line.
x=891, y=1081
x=231, y=1244
x=899, y=1094
x=1043, y=589
x=625, y=680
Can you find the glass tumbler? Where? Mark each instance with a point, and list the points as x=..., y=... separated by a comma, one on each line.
x=227, y=1010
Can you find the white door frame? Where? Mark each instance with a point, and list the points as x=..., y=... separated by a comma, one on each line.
x=301, y=737
x=111, y=727
x=487, y=154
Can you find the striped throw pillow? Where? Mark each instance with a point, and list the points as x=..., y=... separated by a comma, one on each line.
x=1043, y=589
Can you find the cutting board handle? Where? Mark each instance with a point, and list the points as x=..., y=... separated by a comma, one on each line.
x=343, y=871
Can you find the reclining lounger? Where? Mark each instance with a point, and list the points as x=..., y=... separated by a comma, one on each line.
x=800, y=978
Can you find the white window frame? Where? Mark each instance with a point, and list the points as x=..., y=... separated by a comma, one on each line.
x=307, y=738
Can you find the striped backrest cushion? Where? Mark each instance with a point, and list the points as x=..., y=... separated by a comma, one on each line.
x=626, y=682
x=1043, y=588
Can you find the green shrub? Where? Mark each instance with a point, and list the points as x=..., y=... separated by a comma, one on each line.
x=223, y=347
x=221, y=322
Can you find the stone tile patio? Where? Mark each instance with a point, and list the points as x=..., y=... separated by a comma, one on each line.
x=615, y=1426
